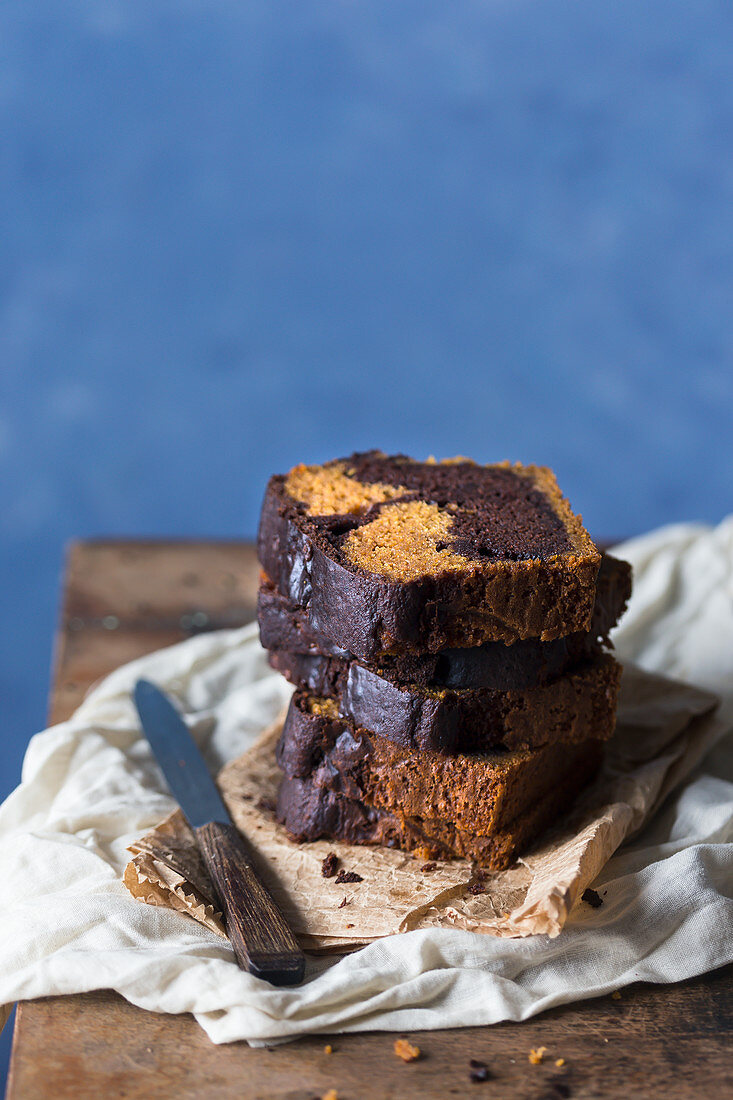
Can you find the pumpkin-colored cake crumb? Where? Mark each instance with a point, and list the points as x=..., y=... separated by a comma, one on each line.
x=405, y=1050
x=323, y=707
x=404, y=542
x=332, y=491
x=537, y=1056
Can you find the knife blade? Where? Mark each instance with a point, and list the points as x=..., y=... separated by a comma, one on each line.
x=262, y=941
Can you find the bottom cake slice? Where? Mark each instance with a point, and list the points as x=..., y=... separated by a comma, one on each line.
x=310, y=812
x=477, y=792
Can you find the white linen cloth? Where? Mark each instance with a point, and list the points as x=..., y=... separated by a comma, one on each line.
x=90, y=787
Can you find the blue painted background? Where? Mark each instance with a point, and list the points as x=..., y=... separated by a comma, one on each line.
x=238, y=235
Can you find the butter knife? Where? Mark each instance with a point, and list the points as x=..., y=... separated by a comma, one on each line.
x=262, y=941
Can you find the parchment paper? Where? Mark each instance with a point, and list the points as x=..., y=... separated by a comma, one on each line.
x=664, y=728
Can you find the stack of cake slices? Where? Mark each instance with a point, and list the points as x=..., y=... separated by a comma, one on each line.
x=446, y=627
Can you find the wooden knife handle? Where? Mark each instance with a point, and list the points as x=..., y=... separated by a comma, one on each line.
x=258, y=932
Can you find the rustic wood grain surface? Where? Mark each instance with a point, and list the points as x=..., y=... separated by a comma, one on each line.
x=123, y=599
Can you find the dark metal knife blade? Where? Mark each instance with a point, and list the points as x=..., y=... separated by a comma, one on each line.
x=259, y=934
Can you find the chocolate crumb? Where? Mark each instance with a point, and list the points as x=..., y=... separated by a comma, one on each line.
x=479, y=1071
x=349, y=926
x=476, y=888
x=429, y=866
x=348, y=876
x=344, y=902
x=266, y=805
x=593, y=898
x=329, y=865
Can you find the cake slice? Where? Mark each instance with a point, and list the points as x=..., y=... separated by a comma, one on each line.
x=477, y=792
x=390, y=555
x=296, y=651
x=448, y=720
x=310, y=812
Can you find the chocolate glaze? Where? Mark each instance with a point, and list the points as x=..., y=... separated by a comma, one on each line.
x=286, y=628
x=369, y=616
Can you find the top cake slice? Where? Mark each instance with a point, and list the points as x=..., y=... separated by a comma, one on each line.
x=387, y=554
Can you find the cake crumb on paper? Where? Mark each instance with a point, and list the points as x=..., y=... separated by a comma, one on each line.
x=329, y=865
x=537, y=1056
x=559, y=1062
x=405, y=1050
x=328, y=1049
x=348, y=876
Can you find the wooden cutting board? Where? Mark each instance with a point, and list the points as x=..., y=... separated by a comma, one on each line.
x=124, y=599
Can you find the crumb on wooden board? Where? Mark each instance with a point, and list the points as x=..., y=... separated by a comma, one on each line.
x=479, y=1071
x=405, y=1050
